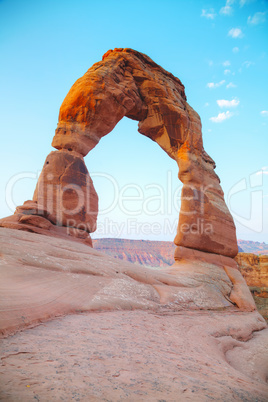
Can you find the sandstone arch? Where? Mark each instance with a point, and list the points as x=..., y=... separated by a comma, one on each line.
x=128, y=83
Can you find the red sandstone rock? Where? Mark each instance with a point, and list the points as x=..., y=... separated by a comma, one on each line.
x=41, y=225
x=183, y=254
x=35, y=220
x=141, y=336
x=205, y=222
x=254, y=269
x=129, y=83
x=66, y=191
x=160, y=253
x=64, y=196
x=199, y=263
x=63, y=276
x=32, y=208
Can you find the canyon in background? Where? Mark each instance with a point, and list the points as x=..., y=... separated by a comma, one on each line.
x=252, y=260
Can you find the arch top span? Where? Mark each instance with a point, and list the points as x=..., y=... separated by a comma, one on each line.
x=128, y=83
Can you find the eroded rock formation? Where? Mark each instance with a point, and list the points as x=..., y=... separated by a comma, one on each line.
x=128, y=83
x=67, y=191
x=254, y=269
x=43, y=277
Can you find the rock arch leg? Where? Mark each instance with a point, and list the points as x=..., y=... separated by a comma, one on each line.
x=205, y=222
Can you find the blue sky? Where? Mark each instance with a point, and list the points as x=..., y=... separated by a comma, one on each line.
x=219, y=51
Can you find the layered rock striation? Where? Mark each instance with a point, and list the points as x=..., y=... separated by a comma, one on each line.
x=254, y=269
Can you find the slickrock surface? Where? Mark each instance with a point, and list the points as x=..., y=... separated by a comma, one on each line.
x=43, y=277
x=161, y=254
x=138, y=356
x=254, y=269
x=131, y=333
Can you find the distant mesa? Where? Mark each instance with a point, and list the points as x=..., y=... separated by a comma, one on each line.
x=254, y=269
x=160, y=254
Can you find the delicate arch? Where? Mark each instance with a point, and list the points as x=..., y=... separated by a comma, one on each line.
x=128, y=83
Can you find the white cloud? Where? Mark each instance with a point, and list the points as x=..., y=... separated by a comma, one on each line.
x=258, y=18
x=231, y=85
x=209, y=14
x=221, y=117
x=226, y=72
x=264, y=113
x=226, y=10
x=226, y=63
x=227, y=103
x=243, y=2
x=235, y=33
x=235, y=49
x=206, y=104
x=215, y=84
x=248, y=63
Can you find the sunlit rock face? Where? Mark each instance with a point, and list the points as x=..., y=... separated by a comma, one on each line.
x=65, y=203
x=66, y=190
x=128, y=83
